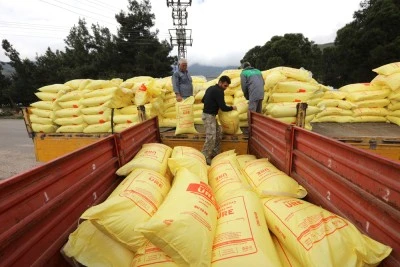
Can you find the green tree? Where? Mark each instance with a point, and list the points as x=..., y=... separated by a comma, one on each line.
x=4, y=87
x=371, y=40
x=139, y=50
x=291, y=50
x=23, y=82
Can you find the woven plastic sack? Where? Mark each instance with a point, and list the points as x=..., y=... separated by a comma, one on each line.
x=317, y=237
x=184, y=116
x=184, y=226
x=91, y=247
x=242, y=236
x=152, y=156
x=229, y=122
x=141, y=193
x=267, y=180
x=388, y=68
x=150, y=255
x=243, y=159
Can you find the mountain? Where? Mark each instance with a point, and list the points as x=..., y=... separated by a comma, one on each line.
x=323, y=46
x=7, y=70
x=210, y=72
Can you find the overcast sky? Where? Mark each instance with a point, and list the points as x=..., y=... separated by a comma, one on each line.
x=222, y=30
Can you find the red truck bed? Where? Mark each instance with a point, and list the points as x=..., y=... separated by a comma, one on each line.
x=39, y=208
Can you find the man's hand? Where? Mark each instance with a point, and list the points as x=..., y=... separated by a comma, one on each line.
x=178, y=98
x=234, y=107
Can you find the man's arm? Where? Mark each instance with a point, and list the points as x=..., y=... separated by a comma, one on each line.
x=176, y=86
x=243, y=84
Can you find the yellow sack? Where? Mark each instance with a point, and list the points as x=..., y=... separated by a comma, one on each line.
x=41, y=112
x=71, y=128
x=332, y=111
x=126, y=119
x=44, y=96
x=184, y=116
x=358, y=87
x=267, y=180
x=272, y=79
x=123, y=126
x=184, y=225
x=369, y=119
x=167, y=122
x=223, y=155
x=229, y=122
x=317, y=237
x=388, y=68
x=96, y=110
x=231, y=73
x=54, y=88
x=394, y=105
x=77, y=84
x=242, y=237
x=102, y=92
x=287, y=109
x=98, y=128
x=243, y=159
x=228, y=99
x=140, y=79
x=287, y=259
x=370, y=112
x=91, y=247
x=141, y=194
x=335, y=94
x=395, y=95
x=374, y=103
x=40, y=120
x=98, y=84
x=195, y=167
x=69, y=104
x=336, y=103
x=96, y=119
x=142, y=96
x=290, y=97
x=199, y=96
x=67, y=112
x=74, y=95
x=179, y=152
x=43, y=128
x=132, y=109
x=150, y=255
x=393, y=81
x=152, y=156
x=393, y=119
x=294, y=87
x=69, y=121
x=95, y=101
x=46, y=105
x=224, y=177
x=368, y=95
x=297, y=74
x=242, y=107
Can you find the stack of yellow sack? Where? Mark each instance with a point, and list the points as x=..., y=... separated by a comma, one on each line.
x=42, y=111
x=389, y=77
x=98, y=98
x=284, y=88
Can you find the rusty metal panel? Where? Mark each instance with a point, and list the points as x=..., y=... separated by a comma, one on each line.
x=130, y=141
x=270, y=139
x=356, y=184
x=39, y=208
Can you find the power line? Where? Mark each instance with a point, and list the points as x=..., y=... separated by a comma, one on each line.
x=81, y=8
x=95, y=6
x=76, y=12
x=102, y=3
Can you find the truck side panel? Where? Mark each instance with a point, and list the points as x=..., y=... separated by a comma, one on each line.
x=40, y=208
x=358, y=185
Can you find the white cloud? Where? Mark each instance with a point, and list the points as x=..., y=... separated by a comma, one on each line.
x=222, y=30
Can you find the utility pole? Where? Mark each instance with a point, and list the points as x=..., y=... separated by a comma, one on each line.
x=180, y=36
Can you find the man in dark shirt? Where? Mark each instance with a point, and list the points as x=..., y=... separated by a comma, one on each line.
x=214, y=101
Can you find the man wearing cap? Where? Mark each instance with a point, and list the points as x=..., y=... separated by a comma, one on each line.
x=182, y=81
x=252, y=83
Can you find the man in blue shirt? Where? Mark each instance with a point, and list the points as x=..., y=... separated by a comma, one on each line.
x=182, y=81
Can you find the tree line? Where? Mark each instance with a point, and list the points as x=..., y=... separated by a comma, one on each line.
x=372, y=39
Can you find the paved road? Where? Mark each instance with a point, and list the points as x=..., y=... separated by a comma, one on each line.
x=16, y=148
